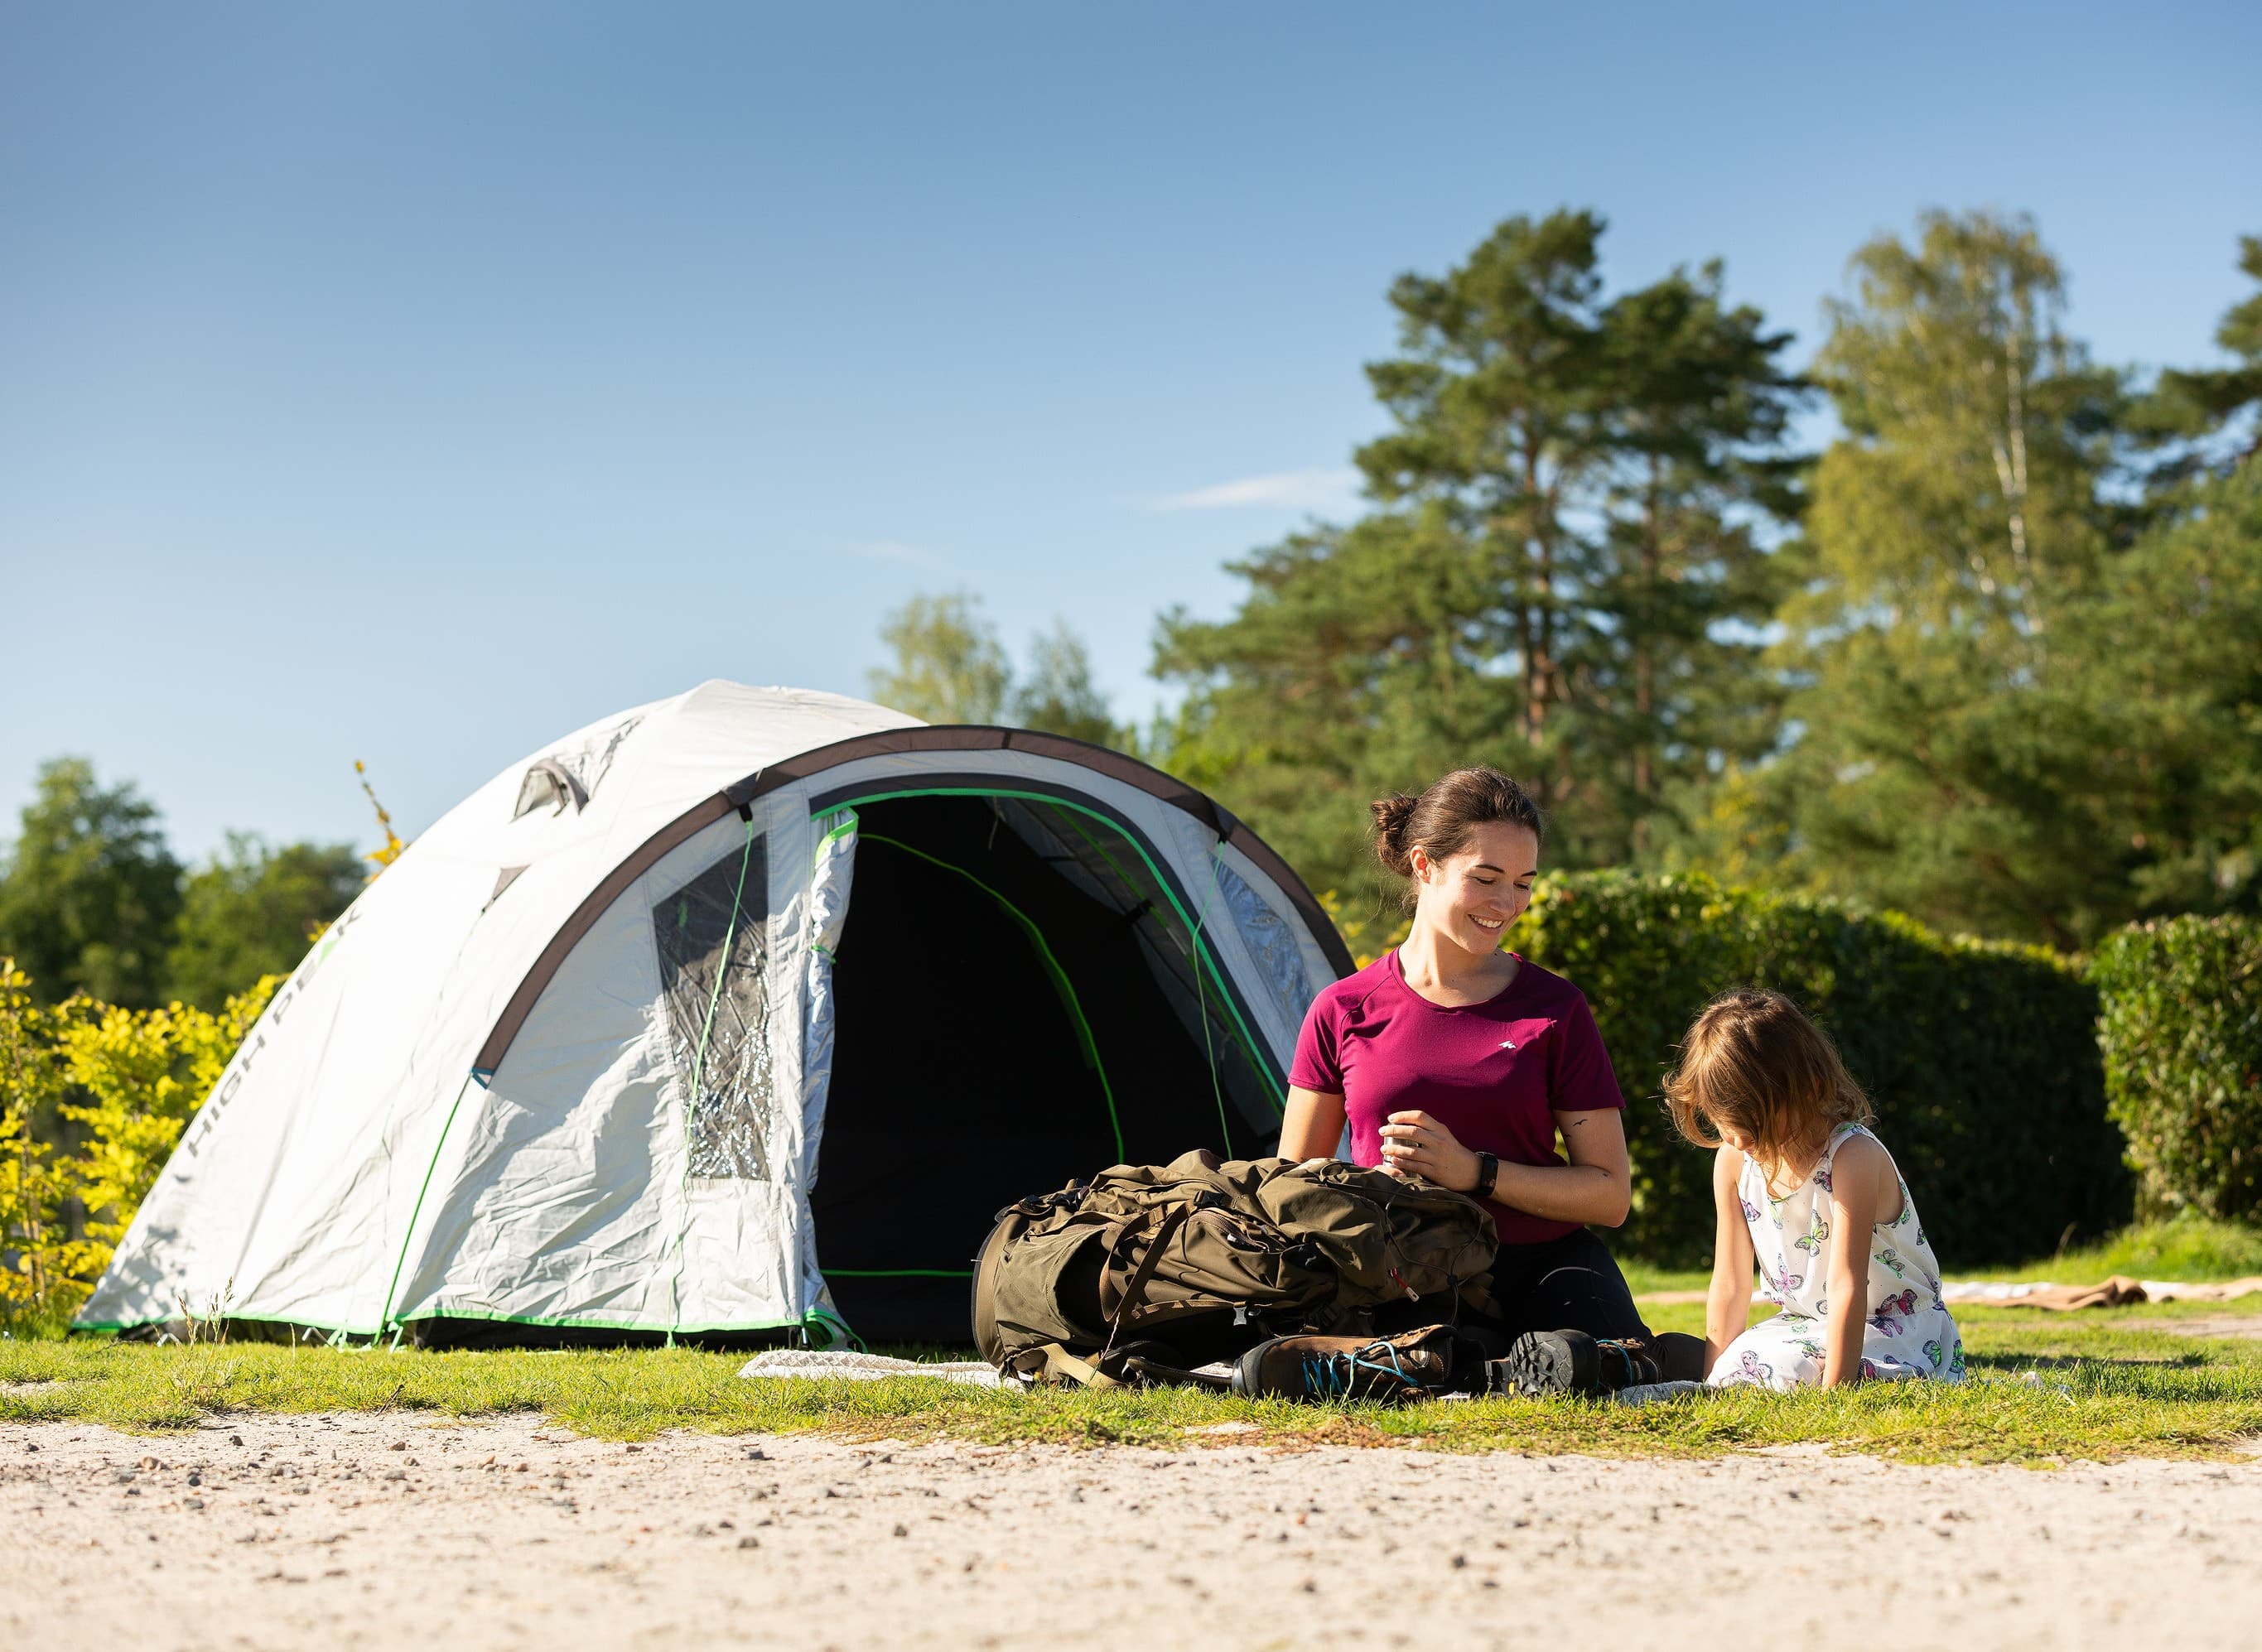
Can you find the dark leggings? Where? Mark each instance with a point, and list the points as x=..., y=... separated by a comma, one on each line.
x=1560, y=1285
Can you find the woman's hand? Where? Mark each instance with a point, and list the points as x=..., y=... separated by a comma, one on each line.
x=1417, y=1144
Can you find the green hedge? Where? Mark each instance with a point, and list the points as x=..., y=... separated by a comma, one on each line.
x=1981, y=1059
x=2181, y=1031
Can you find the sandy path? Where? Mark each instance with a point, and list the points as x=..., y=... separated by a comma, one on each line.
x=309, y=1532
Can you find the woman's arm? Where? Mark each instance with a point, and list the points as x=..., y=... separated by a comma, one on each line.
x=1312, y=1125
x=1854, y=1175
x=1592, y=1188
x=1728, y=1304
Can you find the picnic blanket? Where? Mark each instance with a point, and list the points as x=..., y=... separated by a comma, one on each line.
x=868, y=1368
x=2115, y=1292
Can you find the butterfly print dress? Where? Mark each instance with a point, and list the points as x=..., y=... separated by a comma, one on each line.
x=1910, y=1334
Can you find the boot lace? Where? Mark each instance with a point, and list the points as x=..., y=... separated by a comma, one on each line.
x=1338, y=1375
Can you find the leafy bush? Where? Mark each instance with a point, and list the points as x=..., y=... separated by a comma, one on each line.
x=1981, y=1058
x=39, y=1258
x=129, y=1081
x=2186, y=1245
x=2181, y=1031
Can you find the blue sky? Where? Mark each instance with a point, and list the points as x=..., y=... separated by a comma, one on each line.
x=417, y=383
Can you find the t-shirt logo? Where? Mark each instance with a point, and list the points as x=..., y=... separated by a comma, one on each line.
x=1508, y=1044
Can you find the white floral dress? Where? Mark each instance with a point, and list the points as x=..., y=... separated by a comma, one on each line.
x=1910, y=1334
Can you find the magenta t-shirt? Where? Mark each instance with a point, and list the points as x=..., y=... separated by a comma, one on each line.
x=1494, y=1073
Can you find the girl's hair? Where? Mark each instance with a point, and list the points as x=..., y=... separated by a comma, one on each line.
x=1438, y=822
x=1754, y=1061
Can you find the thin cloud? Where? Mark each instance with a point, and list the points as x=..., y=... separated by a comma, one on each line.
x=1315, y=490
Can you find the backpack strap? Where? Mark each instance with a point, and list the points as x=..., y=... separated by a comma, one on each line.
x=1054, y=1365
x=1134, y=1288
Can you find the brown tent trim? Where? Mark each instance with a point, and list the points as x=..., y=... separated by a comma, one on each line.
x=739, y=798
x=683, y=826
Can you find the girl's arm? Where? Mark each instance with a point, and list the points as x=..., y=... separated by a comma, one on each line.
x=1728, y=1304
x=1593, y=1188
x=1853, y=1212
x=1311, y=1125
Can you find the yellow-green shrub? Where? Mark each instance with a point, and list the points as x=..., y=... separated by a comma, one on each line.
x=129, y=1081
x=40, y=1259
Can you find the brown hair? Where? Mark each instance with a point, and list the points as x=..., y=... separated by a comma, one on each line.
x=1754, y=1061
x=1438, y=822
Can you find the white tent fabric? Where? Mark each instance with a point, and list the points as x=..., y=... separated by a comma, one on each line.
x=480, y=1095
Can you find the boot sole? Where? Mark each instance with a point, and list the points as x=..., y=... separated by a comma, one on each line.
x=1544, y=1362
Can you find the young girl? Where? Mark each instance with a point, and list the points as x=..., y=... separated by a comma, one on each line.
x=1802, y=1187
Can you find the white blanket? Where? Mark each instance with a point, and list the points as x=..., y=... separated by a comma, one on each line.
x=867, y=1367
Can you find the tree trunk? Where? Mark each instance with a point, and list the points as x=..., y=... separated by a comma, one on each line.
x=1533, y=619
x=1645, y=660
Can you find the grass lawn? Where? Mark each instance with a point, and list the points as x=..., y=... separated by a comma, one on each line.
x=2159, y=1379
x=2045, y=1387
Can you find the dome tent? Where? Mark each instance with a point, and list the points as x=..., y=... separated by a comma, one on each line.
x=740, y=1011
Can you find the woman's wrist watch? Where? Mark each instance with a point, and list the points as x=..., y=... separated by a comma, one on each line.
x=1487, y=1173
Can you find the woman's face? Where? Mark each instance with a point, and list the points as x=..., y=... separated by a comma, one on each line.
x=1472, y=897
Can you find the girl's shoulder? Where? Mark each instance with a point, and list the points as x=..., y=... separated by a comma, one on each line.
x=1729, y=1166
x=1859, y=1140
x=1855, y=1153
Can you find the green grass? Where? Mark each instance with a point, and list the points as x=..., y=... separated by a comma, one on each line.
x=1643, y=1280
x=2189, y=1248
x=2045, y=1389
x=2101, y=1383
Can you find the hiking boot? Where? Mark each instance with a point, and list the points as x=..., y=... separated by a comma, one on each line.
x=1412, y=1365
x=1542, y=1363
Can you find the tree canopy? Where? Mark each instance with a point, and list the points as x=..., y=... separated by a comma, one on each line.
x=1990, y=657
x=1570, y=521
x=89, y=891
x=251, y=911
x=949, y=667
x=92, y=900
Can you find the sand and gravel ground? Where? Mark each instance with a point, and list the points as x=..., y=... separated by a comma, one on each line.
x=375, y=1530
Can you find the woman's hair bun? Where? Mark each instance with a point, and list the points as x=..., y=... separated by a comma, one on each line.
x=1392, y=816
x=1439, y=822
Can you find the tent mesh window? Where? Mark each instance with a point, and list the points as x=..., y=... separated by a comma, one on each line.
x=713, y=942
x=1270, y=942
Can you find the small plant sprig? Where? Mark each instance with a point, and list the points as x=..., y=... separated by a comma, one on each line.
x=209, y=1326
x=393, y=847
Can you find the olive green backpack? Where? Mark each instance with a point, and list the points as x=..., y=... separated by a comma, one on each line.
x=1158, y=1268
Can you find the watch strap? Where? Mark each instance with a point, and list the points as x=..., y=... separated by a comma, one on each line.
x=1487, y=1175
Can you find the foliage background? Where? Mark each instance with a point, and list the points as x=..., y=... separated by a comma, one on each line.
x=2182, y=1037
x=1992, y=658
x=1980, y=1058
x=93, y=1097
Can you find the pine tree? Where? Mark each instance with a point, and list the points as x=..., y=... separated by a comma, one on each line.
x=1567, y=512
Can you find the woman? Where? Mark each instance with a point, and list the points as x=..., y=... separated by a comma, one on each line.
x=1459, y=1062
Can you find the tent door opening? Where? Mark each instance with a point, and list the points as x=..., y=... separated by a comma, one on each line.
x=1019, y=1001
